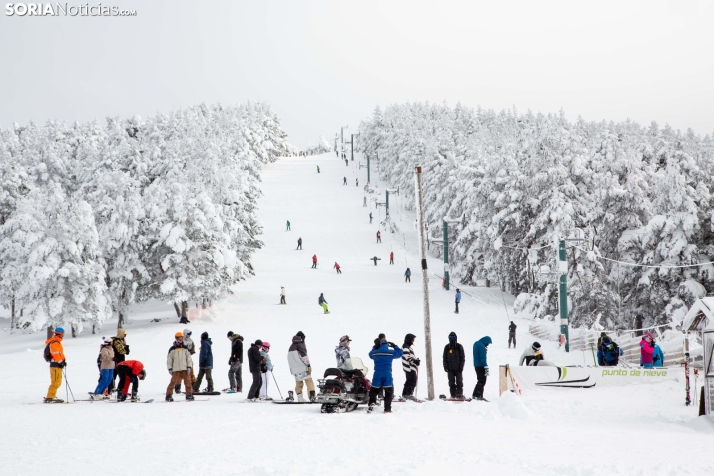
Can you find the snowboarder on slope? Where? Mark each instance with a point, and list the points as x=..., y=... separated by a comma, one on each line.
x=235, y=371
x=106, y=369
x=364, y=202
x=205, y=363
x=481, y=365
x=375, y=259
x=268, y=366
x=391, y=257
x=299, y=246
x=288, y=226
x=356, y=182
x=282, y=295
x=121, y=350
x=130, y=372
x=370, y=218
x=344, y=181
x=379, y=236
x=408, y=275
x=409, y=365
x=322, y=302
x=299, y=363
x=457, y=299
x=647, y=350
x=512, y=335
x=179, y=364
x=57, y=363
x=383, y=356
x=318, y=169
x=314, y=261
x=254, y=365
x=454, y=359
x=337, y=267
x=342, y=351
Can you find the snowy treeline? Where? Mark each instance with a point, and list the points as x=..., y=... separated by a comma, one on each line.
x=322, y=147
x=640, y=194
x=96, y=216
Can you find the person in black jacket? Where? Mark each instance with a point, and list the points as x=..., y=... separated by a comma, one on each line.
x=254, y=362
x=512, y=335
x=454, y=360
x=235, y=371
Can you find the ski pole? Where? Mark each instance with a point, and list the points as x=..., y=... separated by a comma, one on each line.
x=276, y=385
x=67, y=387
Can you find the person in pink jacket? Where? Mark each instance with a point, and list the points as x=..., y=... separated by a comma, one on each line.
x=647, y=348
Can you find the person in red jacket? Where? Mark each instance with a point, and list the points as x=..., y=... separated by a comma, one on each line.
x=314, y=261
x=129, y=371
x=337, y=267
x=391, y=257
x=379, y=237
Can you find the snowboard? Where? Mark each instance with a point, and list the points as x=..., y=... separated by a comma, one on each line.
x=189, y=401
x=404, y=400
x=206, y=393
x=443, y=398
x=287, y=402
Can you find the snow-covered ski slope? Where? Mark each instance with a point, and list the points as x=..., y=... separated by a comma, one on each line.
x=642, y=429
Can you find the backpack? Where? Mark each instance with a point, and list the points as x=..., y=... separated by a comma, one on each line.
x=48, y=353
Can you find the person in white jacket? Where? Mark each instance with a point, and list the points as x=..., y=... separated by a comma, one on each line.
x=264, y=352
x=299, y=363
x=282, y=294
x=179, y=364
x=533, y=356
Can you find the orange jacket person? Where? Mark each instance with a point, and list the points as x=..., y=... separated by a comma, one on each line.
x=129, y=372
x=57, y=363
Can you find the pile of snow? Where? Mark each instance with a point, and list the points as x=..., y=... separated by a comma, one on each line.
x=511, y=406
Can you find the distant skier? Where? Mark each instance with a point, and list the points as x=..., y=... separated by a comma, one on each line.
x=282, y=295
x=364, y=202
x=205, y=364
x=379, y=236
x=337, y=267
x=454, y=360
x=531, y=354
x=322, y=302
x=608, y=352
x=370, y=218
x=383, y=356
x=179, y=364
x=375, y=259
x=288, y=226
x=318, y=169
x=457, y=298
x=254, y=363
x=409, y=364
x=299, y=363
x=347, y=163
x=235, y=371
x=408, y=276
x=57, y=363
x=314, y=261
x=480, y=350
x=512, y=335
x=647, y=350
x=299, y=246
x=342, y=351
x=106, y=369
x=391, y=257
x=344, y=181
x=130, y=372
x=268, y=366
x=356, y=182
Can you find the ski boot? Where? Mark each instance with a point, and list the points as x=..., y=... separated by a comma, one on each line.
x=481, y=399
x=53, y=400
x=134, y=398
x=189, y=397
x=412, y=398
x=291, y=397
x=387, y=410
x=370, y=409
x=121, y=397
x=301, y=399
x=312, y=396
x=169, y=398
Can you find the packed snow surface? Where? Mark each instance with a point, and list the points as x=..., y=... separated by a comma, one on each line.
x=639, y=429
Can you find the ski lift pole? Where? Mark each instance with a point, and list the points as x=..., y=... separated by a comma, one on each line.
x=425, y=286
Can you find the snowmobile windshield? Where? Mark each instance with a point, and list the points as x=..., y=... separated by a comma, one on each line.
x=354, y=363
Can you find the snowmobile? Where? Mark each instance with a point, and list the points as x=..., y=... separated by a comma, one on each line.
x=345, y=389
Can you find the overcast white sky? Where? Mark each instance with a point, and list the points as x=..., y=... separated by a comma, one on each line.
x=322, y=64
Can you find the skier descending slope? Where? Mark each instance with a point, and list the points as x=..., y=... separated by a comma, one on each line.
x=337, y=267
x=383, y=354
x=344, y=181
x=299, y=364
x=314, y=261
x=408, y=276
x=454, y=360
x=480, y=350
x=57, y=363
x=457, y=299
x=323, y=302
x=282, y=295
x=379, y=236
x=375, y=259
x=299, y=246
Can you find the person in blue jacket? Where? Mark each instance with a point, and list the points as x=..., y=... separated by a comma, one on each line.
x=658, y=357
x=481, y=366
x=608, y=353
x=383, y=353
x=458, y=300
x=205, y=363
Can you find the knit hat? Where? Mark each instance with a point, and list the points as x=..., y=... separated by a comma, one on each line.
x=259, y=343
x=535, y=347
x=230, y=333
x=266, y=345
x=204, y=336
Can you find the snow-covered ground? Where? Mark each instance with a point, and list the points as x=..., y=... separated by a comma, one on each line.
x=642, y=429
